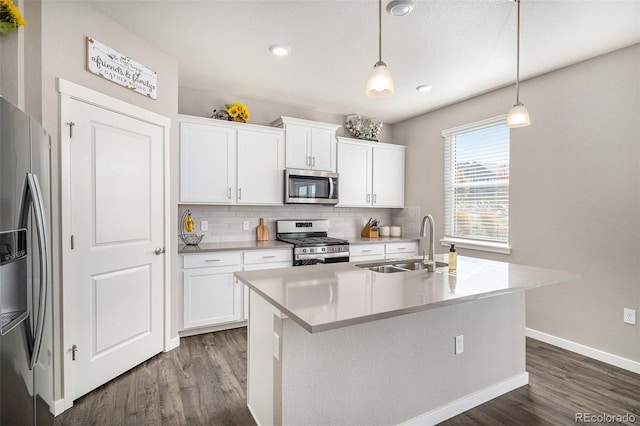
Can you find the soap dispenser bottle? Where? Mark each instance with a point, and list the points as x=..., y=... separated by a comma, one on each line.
x=453, y=258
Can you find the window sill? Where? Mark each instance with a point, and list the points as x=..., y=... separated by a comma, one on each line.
x=477, y=245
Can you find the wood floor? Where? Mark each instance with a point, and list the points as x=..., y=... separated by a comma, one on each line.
x=203, y=382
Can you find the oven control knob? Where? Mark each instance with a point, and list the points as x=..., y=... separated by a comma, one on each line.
x=312, y=250
x=323, y=249
x=304, y=250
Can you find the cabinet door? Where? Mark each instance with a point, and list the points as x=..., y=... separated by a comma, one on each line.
x=323, y=149
x=260, y=168
x=207, y=163
x=211, y=297
x=388, y=177
x=354, y=168
x=298, y=141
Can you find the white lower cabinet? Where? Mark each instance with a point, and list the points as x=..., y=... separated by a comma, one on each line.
x=264, y=259
x=212, y=296
x=368, y=252
x=399, y=250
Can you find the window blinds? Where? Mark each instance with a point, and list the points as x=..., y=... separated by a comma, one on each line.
x=476, y=182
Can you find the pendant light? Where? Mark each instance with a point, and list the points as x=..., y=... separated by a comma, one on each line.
x=380, y=81
x=518, y=116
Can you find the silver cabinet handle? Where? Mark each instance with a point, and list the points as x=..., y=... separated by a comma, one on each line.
x=367, y=250
x=229, y=193
x=239, y=193
x=375, y=198
x=368, y=198
x=314, y=161
x=32, y=195
x=401, y=248
x=158, y=251
x=212, y=260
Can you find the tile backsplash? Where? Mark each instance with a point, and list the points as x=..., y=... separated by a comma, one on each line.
x=225, y=222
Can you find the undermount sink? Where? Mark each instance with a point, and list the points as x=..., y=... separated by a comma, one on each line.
x=401, y=266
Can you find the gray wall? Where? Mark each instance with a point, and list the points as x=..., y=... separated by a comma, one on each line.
x=202, y=103
x=64, y=28
x=575, y=192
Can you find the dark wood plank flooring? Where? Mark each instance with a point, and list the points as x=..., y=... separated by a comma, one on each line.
x=203, y=382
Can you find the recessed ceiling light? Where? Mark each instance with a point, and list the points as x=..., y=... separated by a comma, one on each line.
x=424, y=88
x=400, y=7
x=280, y=49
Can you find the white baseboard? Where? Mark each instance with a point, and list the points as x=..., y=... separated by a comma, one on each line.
x=211, y=329
x=468, y=402
x=172, y=344
x=58, y=407
x=606, y=357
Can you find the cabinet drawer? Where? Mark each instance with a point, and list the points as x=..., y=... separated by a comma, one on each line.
x=366, y=250
x=212, y=259
x=402, y=248
x=268, y=256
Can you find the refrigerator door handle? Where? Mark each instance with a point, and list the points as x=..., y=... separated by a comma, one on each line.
x=32, y=195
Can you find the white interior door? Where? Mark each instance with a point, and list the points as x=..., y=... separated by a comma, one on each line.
x=117, y=222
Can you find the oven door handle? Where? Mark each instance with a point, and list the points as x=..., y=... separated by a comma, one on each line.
x=320, y=257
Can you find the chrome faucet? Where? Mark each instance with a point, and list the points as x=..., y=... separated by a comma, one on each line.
x=430, y=261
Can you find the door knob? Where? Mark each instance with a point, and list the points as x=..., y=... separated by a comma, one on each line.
x=159, y=251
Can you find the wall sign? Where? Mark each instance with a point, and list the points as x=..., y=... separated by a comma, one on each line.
x=107, y=63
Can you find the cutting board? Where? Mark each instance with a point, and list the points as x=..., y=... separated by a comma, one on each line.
x=262, y=232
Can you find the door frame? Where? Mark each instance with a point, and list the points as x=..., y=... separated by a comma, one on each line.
x=72, y=91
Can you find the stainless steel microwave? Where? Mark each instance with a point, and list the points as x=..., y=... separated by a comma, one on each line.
x=310, y=187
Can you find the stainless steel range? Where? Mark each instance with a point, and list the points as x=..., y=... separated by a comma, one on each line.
x=311, y=244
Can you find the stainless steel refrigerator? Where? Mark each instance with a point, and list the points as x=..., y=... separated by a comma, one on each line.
x=25, y=272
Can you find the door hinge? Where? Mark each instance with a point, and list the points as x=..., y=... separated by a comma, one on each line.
x=72, y=242
x=71, y=124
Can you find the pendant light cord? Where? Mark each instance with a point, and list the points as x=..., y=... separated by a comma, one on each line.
x=379, y=30
x=518, y=56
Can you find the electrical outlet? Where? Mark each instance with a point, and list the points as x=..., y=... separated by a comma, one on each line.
x=245, y=225
x=204, y=225
x=459, y=346
x=629, y=316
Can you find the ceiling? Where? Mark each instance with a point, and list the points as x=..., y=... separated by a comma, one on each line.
x=461, y=48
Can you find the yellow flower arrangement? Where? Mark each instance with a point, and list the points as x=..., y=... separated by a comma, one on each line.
x=237, y=110
x=10, y=17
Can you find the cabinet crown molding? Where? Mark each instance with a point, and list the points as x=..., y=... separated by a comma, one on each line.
x=342, y=139
x=282, y=121
x=182, y=118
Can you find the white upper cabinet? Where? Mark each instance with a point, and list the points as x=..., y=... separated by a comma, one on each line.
x=224, y=162
x=371, y=174
x=207, y=159
x=309, y=145
x=260, y=167
x=355, y=178
x=388, y=176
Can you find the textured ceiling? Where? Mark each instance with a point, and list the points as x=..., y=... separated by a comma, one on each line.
x=462, y=48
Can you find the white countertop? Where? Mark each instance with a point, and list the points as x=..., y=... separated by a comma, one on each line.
x=232, y=246
x=325, y=297
x=364, y=240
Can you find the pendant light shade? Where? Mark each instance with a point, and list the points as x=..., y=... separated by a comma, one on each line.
x=380, y=81
x=518, y=115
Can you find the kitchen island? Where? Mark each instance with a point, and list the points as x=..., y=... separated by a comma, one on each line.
x=340, y=344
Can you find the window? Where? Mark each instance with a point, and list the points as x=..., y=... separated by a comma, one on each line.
x=476, y=186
